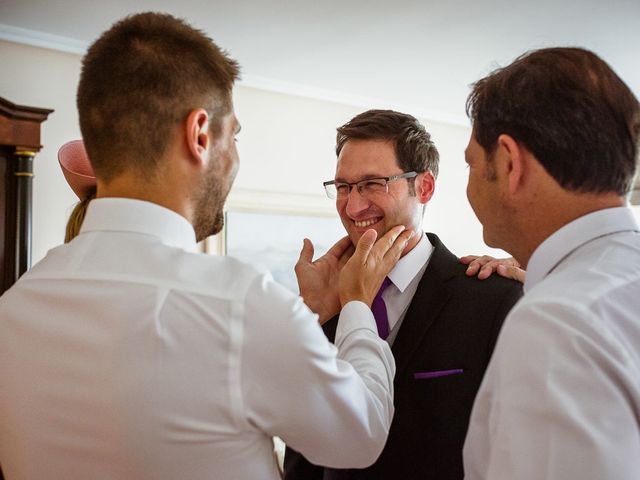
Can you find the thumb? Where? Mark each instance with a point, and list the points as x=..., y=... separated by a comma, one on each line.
x=306, y=254
x=364, y=245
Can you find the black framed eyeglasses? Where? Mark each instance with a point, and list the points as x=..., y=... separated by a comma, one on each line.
x=366, y=188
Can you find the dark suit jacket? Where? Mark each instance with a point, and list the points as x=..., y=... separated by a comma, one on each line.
x=452, y=323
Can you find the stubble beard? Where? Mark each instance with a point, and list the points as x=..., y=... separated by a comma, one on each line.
x=209, y=212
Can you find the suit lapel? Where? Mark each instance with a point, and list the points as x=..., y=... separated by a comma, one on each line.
x=431, y=296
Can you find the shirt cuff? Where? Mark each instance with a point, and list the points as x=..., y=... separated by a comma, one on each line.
x=355, y=315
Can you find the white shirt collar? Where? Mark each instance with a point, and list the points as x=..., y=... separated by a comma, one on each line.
x=137, y=216
x=409, y=266
x=574, y=234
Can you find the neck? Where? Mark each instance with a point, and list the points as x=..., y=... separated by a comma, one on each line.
x=134, y=186
x=541, y=219
x=415, y=239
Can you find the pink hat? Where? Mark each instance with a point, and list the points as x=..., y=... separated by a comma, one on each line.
x=76, y=168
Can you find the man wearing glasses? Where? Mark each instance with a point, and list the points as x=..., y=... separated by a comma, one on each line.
x=442, y=324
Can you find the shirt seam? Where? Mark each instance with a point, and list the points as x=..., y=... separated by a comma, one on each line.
x=178, y=286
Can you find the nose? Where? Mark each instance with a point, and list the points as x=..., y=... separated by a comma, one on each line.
x=356, y=203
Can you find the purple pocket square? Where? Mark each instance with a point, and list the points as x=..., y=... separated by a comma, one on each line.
x=437, y=373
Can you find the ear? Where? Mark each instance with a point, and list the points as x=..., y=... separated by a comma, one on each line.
x=513, y=161
x=425, y=186
x=197, y=132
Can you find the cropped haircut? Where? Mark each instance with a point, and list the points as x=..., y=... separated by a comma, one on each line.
x=570, y=110
x=139, y=80
x=415, y=151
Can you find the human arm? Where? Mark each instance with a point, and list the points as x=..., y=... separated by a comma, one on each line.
x=556, y=401
x=484, y=266
x=333, y=404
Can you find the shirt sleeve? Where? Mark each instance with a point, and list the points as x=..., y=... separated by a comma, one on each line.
x=557, y=401
x=333, y=404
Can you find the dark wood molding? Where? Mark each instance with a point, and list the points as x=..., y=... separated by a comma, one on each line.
x=21, y=112
x=20, y=126
x=19, y=143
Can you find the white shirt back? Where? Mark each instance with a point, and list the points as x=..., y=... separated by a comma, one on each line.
x=125, y=354
x=561, y=396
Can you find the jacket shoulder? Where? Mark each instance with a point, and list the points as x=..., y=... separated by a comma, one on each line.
x=447, y=268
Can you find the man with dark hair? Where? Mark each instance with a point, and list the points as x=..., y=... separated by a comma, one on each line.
x=442, y=324
x=551, y=159
x=125, y=354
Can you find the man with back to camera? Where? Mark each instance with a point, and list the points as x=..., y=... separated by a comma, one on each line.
x=551, y=159
x=126, y=354
x=441, y=324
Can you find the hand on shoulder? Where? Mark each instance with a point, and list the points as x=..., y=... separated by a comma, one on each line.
x=484, y=266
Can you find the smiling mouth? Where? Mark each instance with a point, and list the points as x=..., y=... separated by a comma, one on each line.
x=366, y=223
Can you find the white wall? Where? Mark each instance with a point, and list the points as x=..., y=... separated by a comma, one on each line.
x=286, y=146
x=48, y=79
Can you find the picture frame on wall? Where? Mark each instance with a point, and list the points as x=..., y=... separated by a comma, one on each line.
x=635, y=191
x=266, y=229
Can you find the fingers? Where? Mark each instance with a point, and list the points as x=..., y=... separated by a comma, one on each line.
x=488, y=268
x=473, y=268
x=388, y=241
x=387, y=250
x=512, y=272
x=468, y=259
x=394, y=252
x=482, y=266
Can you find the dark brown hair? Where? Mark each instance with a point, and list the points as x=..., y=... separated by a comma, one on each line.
x=139, y=80
x=570, y=109
x=415, y=151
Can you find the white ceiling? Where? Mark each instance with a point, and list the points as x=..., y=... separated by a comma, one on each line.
x=418, y=56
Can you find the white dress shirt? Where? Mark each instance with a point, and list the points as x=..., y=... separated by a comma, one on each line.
x=405, y=277
x=126, y=354
x=561, y=397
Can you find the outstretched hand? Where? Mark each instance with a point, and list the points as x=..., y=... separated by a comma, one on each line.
x=362, y=275
x=318, y=280
x=484, y=267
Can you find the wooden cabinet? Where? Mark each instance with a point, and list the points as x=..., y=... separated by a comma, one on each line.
x=19, y=143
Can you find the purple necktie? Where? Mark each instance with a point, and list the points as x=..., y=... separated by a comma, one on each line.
x=379, y=310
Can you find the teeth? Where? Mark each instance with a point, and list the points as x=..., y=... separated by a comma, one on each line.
x=365, y=223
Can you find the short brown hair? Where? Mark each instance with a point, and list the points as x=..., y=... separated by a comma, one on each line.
x=570, y=109
x=415, y=151
x=139, y=80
